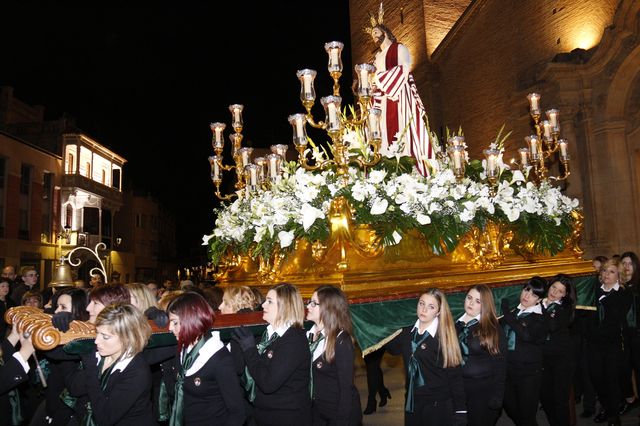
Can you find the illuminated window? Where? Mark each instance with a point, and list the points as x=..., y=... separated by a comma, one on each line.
x=70, y=160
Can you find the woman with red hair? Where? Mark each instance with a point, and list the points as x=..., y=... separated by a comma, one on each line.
x=203, y=383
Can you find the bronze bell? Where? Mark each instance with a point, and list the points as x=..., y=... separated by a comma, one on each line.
x=62, y=277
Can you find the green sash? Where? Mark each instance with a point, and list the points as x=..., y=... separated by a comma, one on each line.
x=188, y=358
x=511, y=333
x=249, y=383
x=416, y=379
x=314, y=341
x=463, y=336
x=88, y=419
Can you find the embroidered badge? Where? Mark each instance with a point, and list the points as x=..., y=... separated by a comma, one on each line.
x=270, y=354
x=423, y=346
x=319, y=364
x=197, y=381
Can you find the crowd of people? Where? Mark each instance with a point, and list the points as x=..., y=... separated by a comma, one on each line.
x=541, y=352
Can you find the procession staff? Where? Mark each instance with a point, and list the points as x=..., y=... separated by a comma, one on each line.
x=335, y=399
x=558, y=356
x=483, y=346
x=205, y=387
x=432, y=359
x=277, y=368
x=115, y=378
x=526, y=330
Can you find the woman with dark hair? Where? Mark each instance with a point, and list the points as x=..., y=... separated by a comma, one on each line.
x=604, y=343
x=71, y=306
x=433, y=365
x=104, y=296
x=484, y=348
x=115, y=378
x=558, y=357
x=204, y=385
x=277, y=368
x=630, y=277
x=335, y=399
x=5, y=303
x=525, y=330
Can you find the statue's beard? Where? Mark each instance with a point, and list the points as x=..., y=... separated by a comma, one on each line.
x=378, y=40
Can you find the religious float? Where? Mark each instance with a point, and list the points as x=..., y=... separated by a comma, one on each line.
x=357, y=212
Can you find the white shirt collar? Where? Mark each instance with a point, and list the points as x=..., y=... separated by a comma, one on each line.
x=615, y=287
x=477, y=317
x=432, y=328
x=120, y=365
x=546, y=303
x=280, y=330
x=212, y=345
x=535, y=309
x=317, y=353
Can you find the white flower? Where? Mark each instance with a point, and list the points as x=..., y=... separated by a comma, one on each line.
x=206, y=238
x=379, y=206
x=377, y=176
x=309, y=215
x=396, y=237
x=285, y=238
x=517, y=177
x=423, y=219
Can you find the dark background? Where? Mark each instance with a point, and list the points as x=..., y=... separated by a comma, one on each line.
x=147, y=81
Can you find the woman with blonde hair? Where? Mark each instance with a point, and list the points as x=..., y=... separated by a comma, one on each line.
x=237, y=298
x=277, y=368
x=115, y=378
x=432, y=359
x=142, y=298
x=483, y=347
x=335, y=399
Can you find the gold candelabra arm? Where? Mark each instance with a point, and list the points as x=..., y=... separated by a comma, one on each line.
x=312, y=122
x=221, y=197
x=304, y=162
x=565, y=174
x=335, y=75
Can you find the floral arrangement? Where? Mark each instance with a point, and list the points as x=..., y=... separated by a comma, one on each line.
x=393, y=199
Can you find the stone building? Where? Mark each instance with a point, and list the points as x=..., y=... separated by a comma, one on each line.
x=476, y=61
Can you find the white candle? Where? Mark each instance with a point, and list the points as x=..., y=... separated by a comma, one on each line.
x=218, y=131
x=552, y=114
x=534, y=147
x=273, y=166
x=299, y=128
x=563, y=149
x=491, y=163
x=236, y=115
x=334, y=57
x=456, y=159
x=306, y=80
x=524, y=156
x=533, y=102
x=547, y=129
x=364, y=78
x=333, y=115
x=216, y=169
x=245, y=157
x=253, y=173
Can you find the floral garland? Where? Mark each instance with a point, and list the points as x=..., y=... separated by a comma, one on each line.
x=393, y=202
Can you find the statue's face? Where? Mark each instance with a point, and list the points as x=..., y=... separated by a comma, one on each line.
x=378, y=36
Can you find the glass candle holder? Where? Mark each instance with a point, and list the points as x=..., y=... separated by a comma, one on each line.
x=331, y=106
x=334, y=50
x=373, y=124
x=236, y=116
x=524, y=157
x=564, y=150
x=218, y=137
x=236, y=140
x=214, y=160
x=245, y=156
x=456, y=154
x=273, y=164
x=298, y=123
x=365, y=73
x=491, y=155
x=534, y=147
x=553, y=116
x=534, y=103
x=307, y=90
x=280, y=149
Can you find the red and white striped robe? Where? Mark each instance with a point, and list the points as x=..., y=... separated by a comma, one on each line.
x=403, y=110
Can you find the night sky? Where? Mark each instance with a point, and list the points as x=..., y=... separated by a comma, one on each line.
x=146, y=82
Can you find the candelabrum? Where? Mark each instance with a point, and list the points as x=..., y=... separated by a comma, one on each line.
x=545, y=143
x=364, y=121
